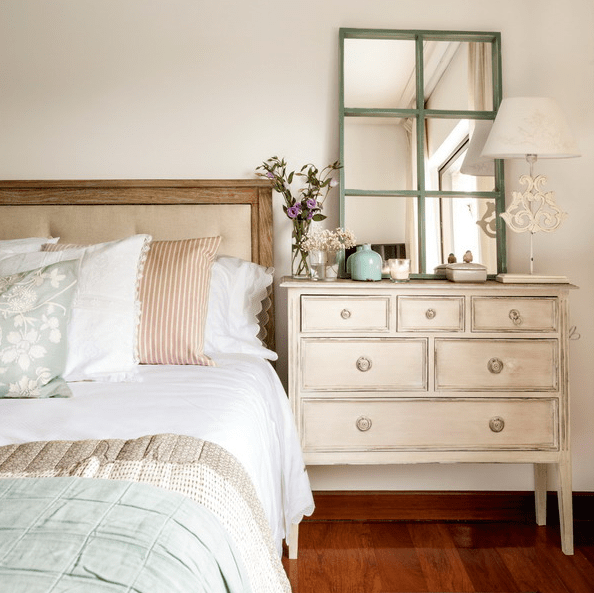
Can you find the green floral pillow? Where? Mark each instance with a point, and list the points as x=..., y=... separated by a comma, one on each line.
x=34, y=313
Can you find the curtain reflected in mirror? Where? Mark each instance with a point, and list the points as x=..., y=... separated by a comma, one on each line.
x=450, y=64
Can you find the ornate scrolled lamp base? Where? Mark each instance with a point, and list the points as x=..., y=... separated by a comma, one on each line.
x=532, y=211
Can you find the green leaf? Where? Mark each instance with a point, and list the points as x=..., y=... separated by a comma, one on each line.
x=319, y=217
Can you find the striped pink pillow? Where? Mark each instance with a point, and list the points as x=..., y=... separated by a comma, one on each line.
x=174, y=295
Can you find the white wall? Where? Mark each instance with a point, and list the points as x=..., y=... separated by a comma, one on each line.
x=210, y=88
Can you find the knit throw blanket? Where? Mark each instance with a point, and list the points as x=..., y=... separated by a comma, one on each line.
x=198, y=469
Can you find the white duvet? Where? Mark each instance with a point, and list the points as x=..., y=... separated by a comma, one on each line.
x=239, y=404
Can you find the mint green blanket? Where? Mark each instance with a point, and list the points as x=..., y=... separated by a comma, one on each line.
x=82, y=535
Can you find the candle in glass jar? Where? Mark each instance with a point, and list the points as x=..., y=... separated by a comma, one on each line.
x=399, y=269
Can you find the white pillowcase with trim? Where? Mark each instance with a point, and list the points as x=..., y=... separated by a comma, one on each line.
x=105, y=311
x=237, y=290
x=10, y=247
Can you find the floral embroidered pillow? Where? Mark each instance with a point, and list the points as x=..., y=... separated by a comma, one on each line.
x=34, y=314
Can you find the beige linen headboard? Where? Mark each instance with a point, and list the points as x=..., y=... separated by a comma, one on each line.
x=91, y=211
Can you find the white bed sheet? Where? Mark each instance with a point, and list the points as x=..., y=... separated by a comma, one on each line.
x=240, y=404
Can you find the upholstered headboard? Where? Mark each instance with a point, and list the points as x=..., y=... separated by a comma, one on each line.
x=90, y=211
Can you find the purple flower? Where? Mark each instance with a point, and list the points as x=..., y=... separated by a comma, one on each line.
x=269, y=175
x=311, y=203
x=310, y=215
x=293, y=211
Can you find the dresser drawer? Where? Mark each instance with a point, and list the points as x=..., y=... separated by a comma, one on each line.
x=520, y=314
x=345, y=314
x=496, y=364
x=428, y=424
x=430, y=313
x=365, y=364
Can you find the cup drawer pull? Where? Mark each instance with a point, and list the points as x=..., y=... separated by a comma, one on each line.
x=515, y=316
x=363, y=364
x=363, y=423
x=345, y=314
x=495, y=366
x=497, y=424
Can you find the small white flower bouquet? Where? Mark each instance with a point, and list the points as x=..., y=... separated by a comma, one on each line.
x=326, y=240
x=326, y=251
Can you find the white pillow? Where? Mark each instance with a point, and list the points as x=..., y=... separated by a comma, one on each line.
x=105, y=310
x=12, y=246
x=237, y=290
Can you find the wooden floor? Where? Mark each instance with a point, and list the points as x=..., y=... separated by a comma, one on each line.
x=415, y=557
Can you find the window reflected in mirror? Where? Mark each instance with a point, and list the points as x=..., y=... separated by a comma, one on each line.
x=451, y=164
x=459, y=224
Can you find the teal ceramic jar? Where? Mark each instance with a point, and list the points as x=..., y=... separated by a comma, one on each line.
x=365, y=264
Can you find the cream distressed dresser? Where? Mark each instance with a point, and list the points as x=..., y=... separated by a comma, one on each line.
x=433, y=371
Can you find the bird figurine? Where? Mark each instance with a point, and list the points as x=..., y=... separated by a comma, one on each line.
x=467, y=258
x=452, y=259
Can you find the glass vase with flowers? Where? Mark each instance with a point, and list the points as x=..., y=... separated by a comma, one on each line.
x=326, y=251
x=303, y=207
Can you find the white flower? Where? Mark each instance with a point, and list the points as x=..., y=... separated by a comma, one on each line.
x=24, y=388
x=326, y=240
x=21, y=299
x=44, y=375
x=55, y=277
x=39, y=278
x=53, y=325
x=24, y=349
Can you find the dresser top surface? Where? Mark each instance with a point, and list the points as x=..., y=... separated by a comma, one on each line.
x=415, y=285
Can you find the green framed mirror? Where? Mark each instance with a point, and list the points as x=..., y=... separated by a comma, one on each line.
x=415, y=110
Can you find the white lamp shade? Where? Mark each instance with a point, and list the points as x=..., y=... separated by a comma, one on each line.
x=474, y=163
x=530, y=125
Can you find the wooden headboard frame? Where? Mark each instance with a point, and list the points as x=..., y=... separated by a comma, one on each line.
x=257, y=194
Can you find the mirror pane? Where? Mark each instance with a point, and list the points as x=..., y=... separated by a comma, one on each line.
x=379, y=153
x=389, y=220
x=458, y=75
x=379, y=73
x=459, y=224
x=453, y=161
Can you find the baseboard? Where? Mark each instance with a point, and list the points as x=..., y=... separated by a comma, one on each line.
x=441, y=506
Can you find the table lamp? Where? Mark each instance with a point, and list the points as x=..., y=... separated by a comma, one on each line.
x=531, y=128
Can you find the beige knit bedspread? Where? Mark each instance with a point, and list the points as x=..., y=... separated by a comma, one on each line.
x=199, y=469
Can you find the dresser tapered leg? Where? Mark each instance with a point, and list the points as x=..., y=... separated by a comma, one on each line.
x=564, y=493
x=293, y=541
x=540, y=492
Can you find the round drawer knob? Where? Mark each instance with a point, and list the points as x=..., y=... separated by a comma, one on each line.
x=363, y=364
x=495, y=366
x=345, y=314
x=430, y=313
x=497, y=424
x=515, y=316
x=363, y=423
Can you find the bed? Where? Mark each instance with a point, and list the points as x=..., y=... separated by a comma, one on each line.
x=196, y=438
